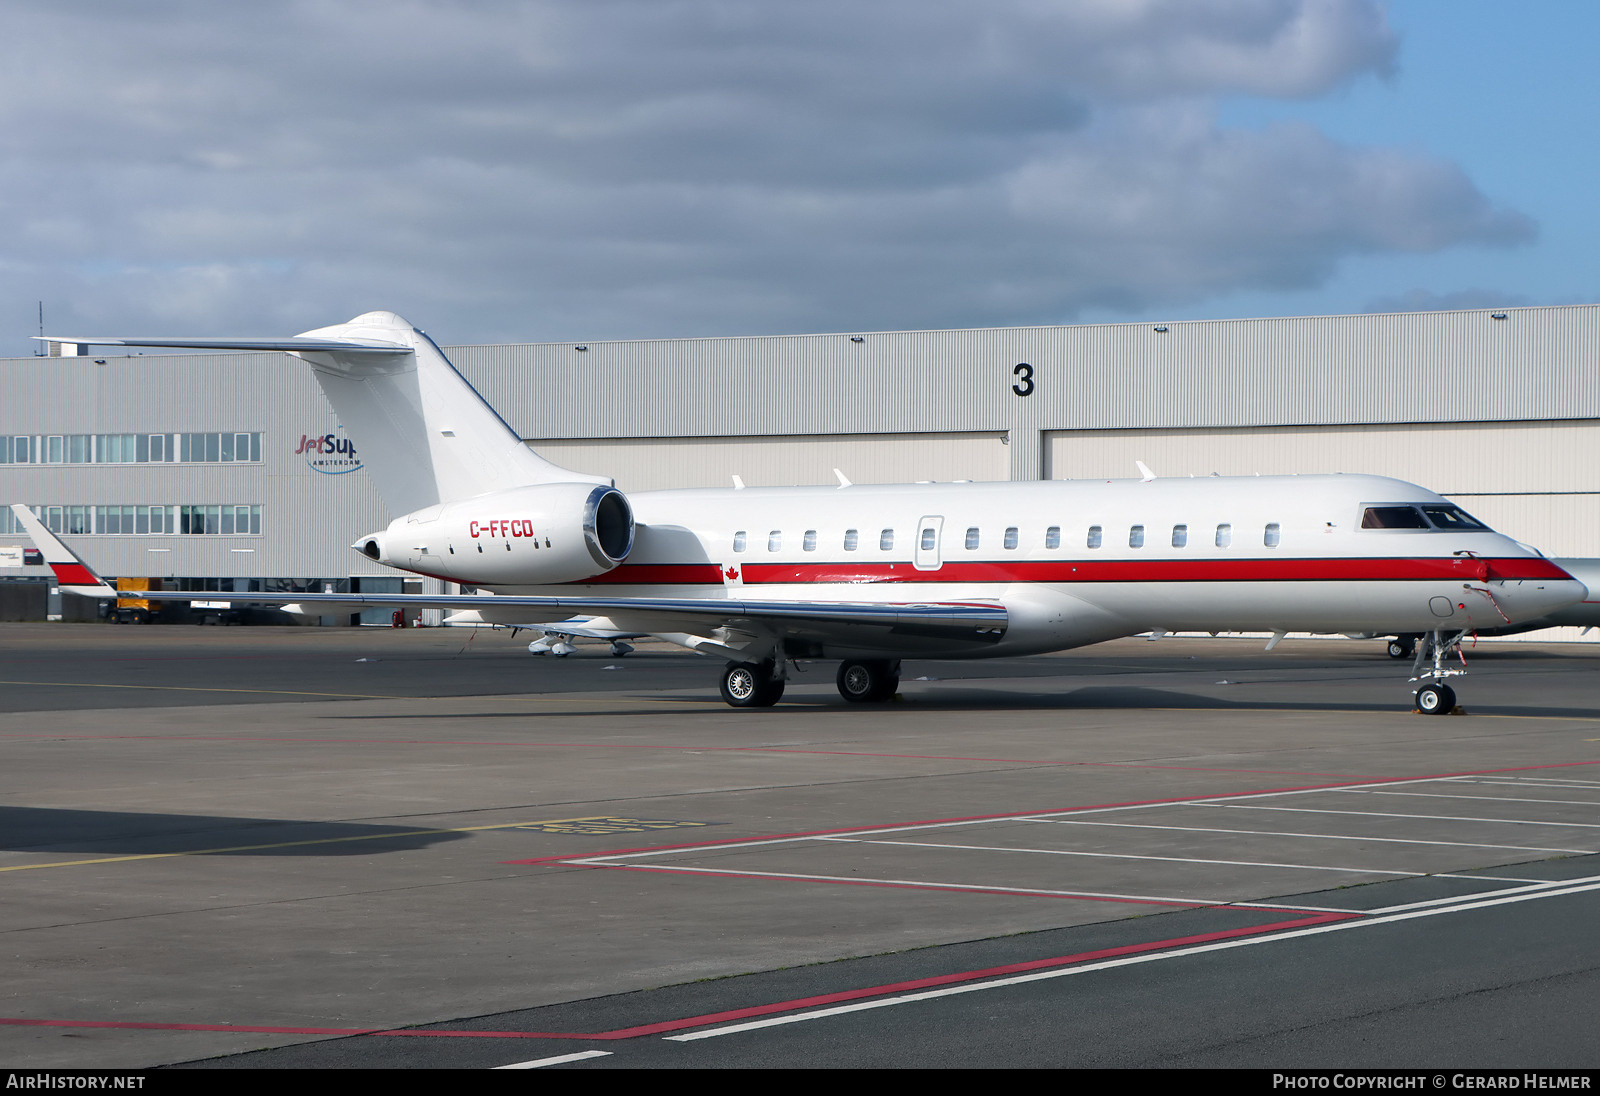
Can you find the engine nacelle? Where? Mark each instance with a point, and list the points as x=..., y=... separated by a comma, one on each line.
x=524, y=536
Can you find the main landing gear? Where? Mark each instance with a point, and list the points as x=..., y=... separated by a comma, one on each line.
x=760, y=684
x=1403, y=646
x=752, y=684
x=1434, y=697
x=868, y=681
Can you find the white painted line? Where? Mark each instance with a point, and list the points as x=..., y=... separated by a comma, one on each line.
x=1533, y=884
x=561, y=1060
x=925, y=884
x=1136, y=856
x=1425, y=817
x=1548, y=782
x=1532, y=889
x=1574, y=887
x=1031, y=816
x=1318, y=836
x=1481, y=798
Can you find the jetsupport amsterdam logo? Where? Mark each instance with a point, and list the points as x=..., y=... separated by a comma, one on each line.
x=330, y=454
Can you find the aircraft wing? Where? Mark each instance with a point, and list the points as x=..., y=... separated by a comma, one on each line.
x=711, y=624
x=720, y=625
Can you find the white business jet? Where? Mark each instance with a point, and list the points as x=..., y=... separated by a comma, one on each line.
x=871, y=574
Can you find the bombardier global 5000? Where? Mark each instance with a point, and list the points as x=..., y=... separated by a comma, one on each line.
x=871, y=574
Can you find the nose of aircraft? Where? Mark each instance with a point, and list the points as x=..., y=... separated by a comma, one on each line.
x=1560, y=593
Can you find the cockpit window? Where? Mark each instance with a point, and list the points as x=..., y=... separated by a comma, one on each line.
x=1393, y=517
x=1442, y=516
x=1454, y=519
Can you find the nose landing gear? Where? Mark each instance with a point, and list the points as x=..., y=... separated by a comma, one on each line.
x=1434, y=697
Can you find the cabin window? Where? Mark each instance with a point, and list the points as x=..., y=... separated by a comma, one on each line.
x=1180, y=536
x=1011, y=537
x=775, y=540
x=1136, y=537
x=851, y=538
x=972, y=538
x=1052, y=537
x=810, y=542
x=928, y=536
x=1094, y=536
x=1224, y=535
x=886, y=541
x=1272, y=535
x=739, y=541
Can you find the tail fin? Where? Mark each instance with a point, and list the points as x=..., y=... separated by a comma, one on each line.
x=72, y=574
x=423, y=432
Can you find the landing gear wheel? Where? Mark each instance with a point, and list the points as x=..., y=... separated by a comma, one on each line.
x=1436, y=700
x=1402, y=647
x=868, y=681
x=750, y=685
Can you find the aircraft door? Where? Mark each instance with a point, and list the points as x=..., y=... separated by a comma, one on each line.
x=926, y=554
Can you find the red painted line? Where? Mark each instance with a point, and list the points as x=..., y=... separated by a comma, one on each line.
x=969, y=976
x=707, y=1019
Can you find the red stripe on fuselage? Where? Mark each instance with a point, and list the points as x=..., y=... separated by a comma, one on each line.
x=1411, y=569
x=658, y=574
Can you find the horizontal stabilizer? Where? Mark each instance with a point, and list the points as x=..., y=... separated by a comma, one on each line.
x=424, y=433
x=296, y=344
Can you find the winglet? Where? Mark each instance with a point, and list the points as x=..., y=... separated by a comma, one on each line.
x=73, y=575
x=1145, y=475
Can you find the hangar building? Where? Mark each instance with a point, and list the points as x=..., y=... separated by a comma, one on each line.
x=230, y=472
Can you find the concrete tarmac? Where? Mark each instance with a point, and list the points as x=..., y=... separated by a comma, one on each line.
x=220, y=841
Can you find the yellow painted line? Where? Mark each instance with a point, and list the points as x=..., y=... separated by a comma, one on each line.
x=296, y=844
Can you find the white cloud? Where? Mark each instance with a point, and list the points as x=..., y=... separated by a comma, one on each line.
x=594, y=168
